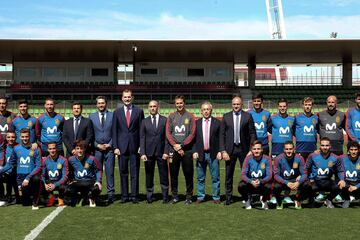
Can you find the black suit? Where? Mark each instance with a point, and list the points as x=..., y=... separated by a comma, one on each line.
x=85, y=132
x=227, y=139
x=153, y=144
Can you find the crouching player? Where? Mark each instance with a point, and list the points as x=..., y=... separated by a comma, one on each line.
x=321, y=167
x=86, y=173
x=289, y=174
x=351, y=165
x=54, y=175
x=256, y=176
x=28, y=167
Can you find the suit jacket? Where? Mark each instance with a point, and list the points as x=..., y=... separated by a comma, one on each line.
x=85, y=132
x=214, y=138
x=103, y=134
x=124, y=138
x=153, y=141
x=247, y=132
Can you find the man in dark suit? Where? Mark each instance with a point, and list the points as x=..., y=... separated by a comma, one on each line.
x=126, y=141
x=154, y=149
x=206, y=152
x=77, y=127
x=237, y=132
x=102, y=123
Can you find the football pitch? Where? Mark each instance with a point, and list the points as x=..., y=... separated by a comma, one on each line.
x=179, y=221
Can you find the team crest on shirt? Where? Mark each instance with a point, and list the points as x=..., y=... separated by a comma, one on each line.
x=290, y=122
x=87, y=165
x=57, y=122
x=59, y=166
x=262, y=166
x=330, y=164
x=337, y=119
x=187, y=121
x=295, y=165
x=314, y=121
x=358, y=166
x=9, y=120
x=31, y=153
x=263, y=118
x=30, y=124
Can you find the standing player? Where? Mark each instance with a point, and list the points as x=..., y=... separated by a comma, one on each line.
x=54, y=175
x=180, y=132
x=306, y=125
x=24, y=120
x=352, y=125
x=261, y=119
x=86, y=173
x=321, y=167
x=351, y=165
x=28, y=169
x=6, y=117
x=281, y=127
x=49, y=128
x=289, y=174
x=256, y=175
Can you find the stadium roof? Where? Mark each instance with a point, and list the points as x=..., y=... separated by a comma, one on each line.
x=238, y=51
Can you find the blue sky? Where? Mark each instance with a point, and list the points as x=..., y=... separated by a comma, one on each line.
x=173, y=19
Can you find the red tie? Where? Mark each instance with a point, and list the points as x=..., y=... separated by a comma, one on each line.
x=206, y=144
x=128, y=117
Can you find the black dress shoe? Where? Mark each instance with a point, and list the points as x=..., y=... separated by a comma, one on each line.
x=165, y=201
x=124, y=200
x=110, y=200
x=149, y=200
x=228, y=201
x=135, y=201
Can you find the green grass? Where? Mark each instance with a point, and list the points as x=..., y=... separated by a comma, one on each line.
x=204, y=221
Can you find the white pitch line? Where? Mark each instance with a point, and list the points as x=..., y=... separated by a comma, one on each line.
x=36, y=231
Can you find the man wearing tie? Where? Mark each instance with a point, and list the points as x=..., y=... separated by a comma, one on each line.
x=102, y=123
x=75, y=128
x=154, y=149
x=206, y=152
x=237, y=132
x=126, y=141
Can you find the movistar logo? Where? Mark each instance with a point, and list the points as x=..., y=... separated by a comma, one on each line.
x=260, y=125
x=308, y=129
x=82, y=174
x=331, y=127
x=256, y=175
x=53, y=174
x=4, y=128
x=52, y=130
x=348, y=174
x=323, y=172
x=357, y=124
x=288, y=174
x=284, y=130
x=180, y=129
x=25, y=160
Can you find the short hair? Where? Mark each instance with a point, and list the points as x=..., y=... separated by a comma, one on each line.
x=11, y=131
x=127, y=91
x=237, y=95
x=4, y=97
x=52, y=143
x=289, y=143
x=23, y=101
x=332, y=96
x=25, y=130
x=180, y=97
x=257, y=95
x=353, y=144
x=357, y=95
x=80, y=143
x=308, y=99
x=282, y=100
x=77, y=103
x=325, y=139
x=101, y=97
x=49, y=99
x=206, y=103
x=156, y=101
x=256, y=142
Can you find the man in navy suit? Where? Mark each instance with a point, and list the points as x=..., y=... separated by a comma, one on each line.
x=126, y=141
x=75, y=128
x=206, y=152
x=154, y=149
x=102, y=123
x=237, y=132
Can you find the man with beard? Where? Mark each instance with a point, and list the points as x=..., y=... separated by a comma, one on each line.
x=24, y=120
x=289, y=174
x=352, y=124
